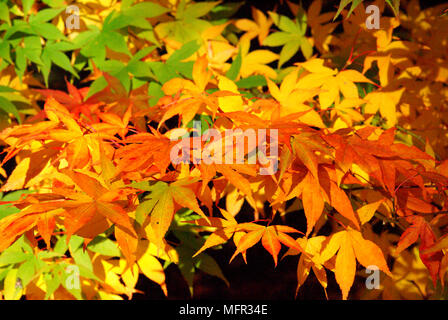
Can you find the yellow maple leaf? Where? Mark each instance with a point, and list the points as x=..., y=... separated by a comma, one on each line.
x=259, y=27
x=255, y=62
x=386, y=102
x=292, y=99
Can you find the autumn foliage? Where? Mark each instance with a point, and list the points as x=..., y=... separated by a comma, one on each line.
x=89, y=183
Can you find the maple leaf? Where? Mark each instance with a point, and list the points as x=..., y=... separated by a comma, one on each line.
x=116, y=98
x=193, y=93
x=145, y=153
x=320, y=30
x=270, y=236
x=346, y=111
x=248, y=240
x=128, y=244
x=13, y=226
x=259, y=27
x=87, y=212
x=239, y=181
x=419, y=228
x=410, y=280
x=230, y=103
x=95, y=204
x=313, y=201
x=75, y=101
x=292, y=100
x=331, y=82
x=385, y=101
x=366, y=212
x=310, y=261
x=351, y=246
x=387, y=52
x=116, y=278
x=218, y=50
x=63, y=138
x=274, y=235
x=160, y=206
x=326, y=190
x=150, y=266
x=246, y=235
x=353, y=150
x=225, y=228
x=112, y=124
x=256, y=62
x=291, y=37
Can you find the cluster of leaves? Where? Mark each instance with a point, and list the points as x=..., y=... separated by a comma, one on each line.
x=363, y=143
